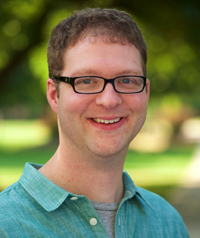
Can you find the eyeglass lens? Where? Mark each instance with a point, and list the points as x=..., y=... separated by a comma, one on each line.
x=91, y=84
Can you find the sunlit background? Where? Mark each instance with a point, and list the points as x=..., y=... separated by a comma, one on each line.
x=165, y=156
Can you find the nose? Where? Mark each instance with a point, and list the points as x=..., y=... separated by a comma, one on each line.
x=109, y=98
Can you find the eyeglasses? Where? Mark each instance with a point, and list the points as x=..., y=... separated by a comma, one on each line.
x=93, y=84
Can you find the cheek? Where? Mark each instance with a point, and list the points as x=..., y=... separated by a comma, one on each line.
x=73, y=104
x=138, y=104
x=139, y=110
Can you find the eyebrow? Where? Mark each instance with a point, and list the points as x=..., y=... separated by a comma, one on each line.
x=131, y=71
x=91, y=72
x=84, y=72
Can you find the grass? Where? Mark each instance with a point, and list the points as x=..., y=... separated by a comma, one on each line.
x=12, y=163
x=168, y=165
x=21, y=134
x=157, y=172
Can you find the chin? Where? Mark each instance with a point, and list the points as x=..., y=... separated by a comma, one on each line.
x=105, y=151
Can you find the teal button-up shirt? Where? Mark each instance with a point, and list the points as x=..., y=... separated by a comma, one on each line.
x=36, y=207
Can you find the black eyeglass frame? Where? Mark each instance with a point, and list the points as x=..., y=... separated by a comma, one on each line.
x=71, y=80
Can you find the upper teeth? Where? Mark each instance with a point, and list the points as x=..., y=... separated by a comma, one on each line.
x=106, y=121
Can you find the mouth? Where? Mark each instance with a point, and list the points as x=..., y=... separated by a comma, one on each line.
x=102, y=121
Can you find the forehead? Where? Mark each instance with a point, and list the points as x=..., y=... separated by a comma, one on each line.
x=92, y=53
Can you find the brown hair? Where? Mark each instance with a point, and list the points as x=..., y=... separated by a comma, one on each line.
x=116, y=26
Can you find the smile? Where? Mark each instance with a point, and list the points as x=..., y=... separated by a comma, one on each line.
x=98, y=120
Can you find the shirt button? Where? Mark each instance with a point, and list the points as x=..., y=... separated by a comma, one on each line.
x=74, y=198
x=93, y=221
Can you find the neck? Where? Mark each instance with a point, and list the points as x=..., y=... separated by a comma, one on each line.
x=99, y=179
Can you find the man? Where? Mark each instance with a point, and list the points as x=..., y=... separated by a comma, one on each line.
x=98, y=89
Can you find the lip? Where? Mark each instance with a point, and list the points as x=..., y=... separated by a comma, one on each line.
x=109, y=126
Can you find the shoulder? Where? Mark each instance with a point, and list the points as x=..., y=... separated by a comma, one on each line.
x=153, y=199
x=17, y=196
x=12, y=200
x=162, y=213
x=8, y=193
x=161, y=208
x=156, y=202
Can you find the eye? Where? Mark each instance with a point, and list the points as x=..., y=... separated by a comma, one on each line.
x=126, y=81
x=83, y=81
x=86, y=81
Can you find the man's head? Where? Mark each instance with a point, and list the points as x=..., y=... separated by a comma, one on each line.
x=112, y=25
x=106, y=45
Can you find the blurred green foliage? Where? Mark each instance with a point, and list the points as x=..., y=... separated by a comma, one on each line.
x=156, y=170
x=171, y=30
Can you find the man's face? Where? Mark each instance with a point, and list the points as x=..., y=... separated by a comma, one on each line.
x=100, y=124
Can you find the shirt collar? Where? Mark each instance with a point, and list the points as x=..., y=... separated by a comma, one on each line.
x=45, y=192
x=131, y=190
x=50, y=196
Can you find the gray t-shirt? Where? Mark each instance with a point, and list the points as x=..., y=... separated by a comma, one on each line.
x=107, y=213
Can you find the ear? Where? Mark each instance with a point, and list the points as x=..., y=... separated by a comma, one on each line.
x=52, y=95
x=148, y=88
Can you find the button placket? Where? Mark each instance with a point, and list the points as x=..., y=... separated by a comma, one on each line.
x=84, y=206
